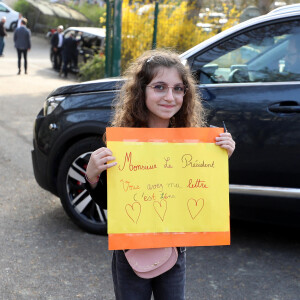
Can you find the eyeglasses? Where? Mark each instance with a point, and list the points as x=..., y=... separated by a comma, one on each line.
x=162, y=89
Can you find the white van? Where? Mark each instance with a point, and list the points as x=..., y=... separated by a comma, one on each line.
x=11, y=16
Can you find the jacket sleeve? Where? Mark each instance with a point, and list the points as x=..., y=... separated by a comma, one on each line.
x=99, y=193
x=53, y=40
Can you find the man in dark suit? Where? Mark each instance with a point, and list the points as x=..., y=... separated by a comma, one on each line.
x=57, y=41
x=22, y=39
x=69, y=53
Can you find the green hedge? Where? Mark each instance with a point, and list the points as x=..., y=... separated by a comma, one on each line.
x=39, y=22
x=92, y=69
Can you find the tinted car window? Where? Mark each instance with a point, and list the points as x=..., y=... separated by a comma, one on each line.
x=257, y=55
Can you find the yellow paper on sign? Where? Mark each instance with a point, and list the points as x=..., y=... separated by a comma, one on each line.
x=167, y=181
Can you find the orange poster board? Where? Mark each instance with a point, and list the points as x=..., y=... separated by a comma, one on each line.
x=169, y=188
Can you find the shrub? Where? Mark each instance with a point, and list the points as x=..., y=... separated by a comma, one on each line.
x=23, y=7
x=92, y=69
x=175, y=29
x=39, y=22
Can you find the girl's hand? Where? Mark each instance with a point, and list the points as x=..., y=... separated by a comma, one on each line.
x=98, y=163
x=224, y=140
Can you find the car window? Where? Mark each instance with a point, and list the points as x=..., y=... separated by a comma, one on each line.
x=86, y=40
x=91, y=41
x=68, y=33
x=261, y=54
x=3, y=8
x=92, y=44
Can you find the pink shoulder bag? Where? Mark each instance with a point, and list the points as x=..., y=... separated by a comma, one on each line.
x=149, y=263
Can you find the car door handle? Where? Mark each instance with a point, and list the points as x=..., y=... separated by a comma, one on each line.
x=285, y=107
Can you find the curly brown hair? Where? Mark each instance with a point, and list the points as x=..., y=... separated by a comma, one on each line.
x=130, y=104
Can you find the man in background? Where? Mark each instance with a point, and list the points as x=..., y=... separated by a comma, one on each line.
x=22, y=39
x=57, y=44
x=69, y=54
x=19, y=23
x=3, y=34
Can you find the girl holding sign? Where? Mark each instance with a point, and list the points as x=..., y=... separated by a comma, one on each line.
x=159, y=92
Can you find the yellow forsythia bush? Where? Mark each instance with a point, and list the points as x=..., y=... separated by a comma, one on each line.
x=174, y=30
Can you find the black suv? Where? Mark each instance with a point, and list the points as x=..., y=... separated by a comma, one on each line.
x=244, y=81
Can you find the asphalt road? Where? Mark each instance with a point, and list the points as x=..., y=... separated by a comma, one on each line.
x=45, y=256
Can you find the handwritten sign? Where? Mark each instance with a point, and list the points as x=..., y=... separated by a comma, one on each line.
x=170, y=188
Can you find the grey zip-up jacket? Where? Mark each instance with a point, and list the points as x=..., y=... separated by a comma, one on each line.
x=22, y=38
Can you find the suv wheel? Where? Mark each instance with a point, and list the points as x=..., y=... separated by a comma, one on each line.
x=75, y=199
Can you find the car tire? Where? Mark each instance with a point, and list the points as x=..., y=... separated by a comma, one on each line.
x=75, y=199
x=13, y=26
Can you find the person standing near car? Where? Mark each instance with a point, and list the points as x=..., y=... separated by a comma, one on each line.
x=57, y=41
x=69, y=53
x=3, y=34
x=22, y=39
x=19, y=23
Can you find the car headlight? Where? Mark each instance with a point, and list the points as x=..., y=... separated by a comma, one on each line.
x=51, y=103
